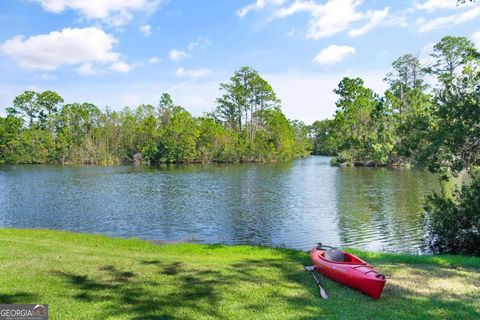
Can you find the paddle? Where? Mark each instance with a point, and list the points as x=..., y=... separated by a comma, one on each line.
x=311, y=269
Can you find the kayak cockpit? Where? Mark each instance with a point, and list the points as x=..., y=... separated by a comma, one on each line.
x=348, y=259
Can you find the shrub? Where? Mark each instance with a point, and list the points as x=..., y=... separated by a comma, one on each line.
x=453, y=224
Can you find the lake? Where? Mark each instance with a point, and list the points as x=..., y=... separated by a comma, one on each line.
x=293, y=204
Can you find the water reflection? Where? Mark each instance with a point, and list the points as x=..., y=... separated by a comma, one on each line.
x=379, y=208
x=293, y=204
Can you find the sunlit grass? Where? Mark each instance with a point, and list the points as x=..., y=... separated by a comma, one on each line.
x=95, y=277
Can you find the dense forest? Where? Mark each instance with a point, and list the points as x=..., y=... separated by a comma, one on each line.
x=246, y=126
x=428, y=116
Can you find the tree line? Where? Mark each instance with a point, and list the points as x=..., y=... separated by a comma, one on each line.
x=426, y=117
x=247, y=125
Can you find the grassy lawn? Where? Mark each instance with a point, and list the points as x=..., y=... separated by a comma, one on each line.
x=94, y=277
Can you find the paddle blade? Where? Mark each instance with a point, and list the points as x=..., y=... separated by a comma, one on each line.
x=323, y=294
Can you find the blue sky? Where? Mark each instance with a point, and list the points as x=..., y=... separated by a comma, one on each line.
x=126, y=52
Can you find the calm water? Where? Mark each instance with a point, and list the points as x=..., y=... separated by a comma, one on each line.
x=294, y=204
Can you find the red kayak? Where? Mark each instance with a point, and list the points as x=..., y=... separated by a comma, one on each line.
x=352, y=271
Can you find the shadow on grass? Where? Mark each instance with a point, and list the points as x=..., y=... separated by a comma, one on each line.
x=19, y=297
x=179, y=290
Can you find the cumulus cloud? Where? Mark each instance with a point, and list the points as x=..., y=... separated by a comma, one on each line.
x=326, y=19
x=68, y=47
x=192, y=73
x=121, y=66
x=146, y=30
x=333, y=54
x=433, y=5
x=65, y=47
x=375, y=20
x=153, y=60
x=447, y=21
x=47, y=77
x=176, y=54
x=200, y=43
x=113, y=12
x=87, y=69
x=257, y=5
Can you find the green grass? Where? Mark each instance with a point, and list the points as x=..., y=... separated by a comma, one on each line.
x=95, y=277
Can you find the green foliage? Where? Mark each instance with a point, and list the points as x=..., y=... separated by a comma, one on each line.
x=361, y=127
x=39, y=128
x=216, y=142
x=10, y=128
x=246, y=96
x=25, y=104
x=437, y=129
x=413, y=126
x=453, y=224
x=453, y=144
x=302, y=145
x=452, y=54
x=323, y=138
x=179, y=139
x=407, y=73
x=276, y=139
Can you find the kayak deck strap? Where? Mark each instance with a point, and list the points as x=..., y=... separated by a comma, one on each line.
x=367, y=266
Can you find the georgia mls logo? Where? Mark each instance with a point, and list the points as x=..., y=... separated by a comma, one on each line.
x=23, y=312
x=40, y=310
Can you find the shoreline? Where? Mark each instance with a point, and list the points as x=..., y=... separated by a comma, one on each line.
x=396, y=256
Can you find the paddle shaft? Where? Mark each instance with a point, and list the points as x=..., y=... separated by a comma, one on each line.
x=316, y=279
x=323, y=293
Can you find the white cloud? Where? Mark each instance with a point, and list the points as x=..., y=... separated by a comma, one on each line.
x=192, y=73
x=447, y=21
x=153, y=60
x=47, y=77
x=333, y=54
x=146, y=30
x=121, y=66
x=257, y=5
x=433, y=5
x=87, y=69
x=65, y=47
x=176, y=54
x=114, y=12
x=334, y=16
x=325, y=19
x=376, y=18
x=200, y=43
x=425, y=54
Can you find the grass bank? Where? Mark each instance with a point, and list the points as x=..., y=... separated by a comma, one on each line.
x=95, y=277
